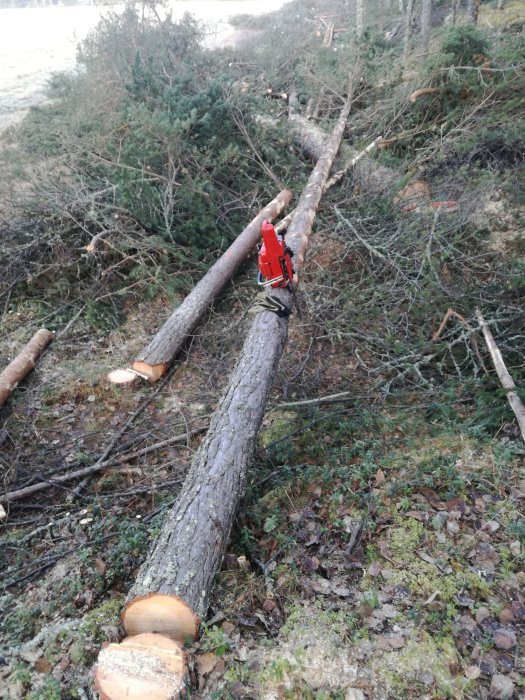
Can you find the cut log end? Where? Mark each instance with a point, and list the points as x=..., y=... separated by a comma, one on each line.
x=122, y=376
x=152, y=372
x=146, y=666
x=168, y=615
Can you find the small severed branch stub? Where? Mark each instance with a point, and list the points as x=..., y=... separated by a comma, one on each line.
x=19, y=368
x=503, y=375
x=154, y=360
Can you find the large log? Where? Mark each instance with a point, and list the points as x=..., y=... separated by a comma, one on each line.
x=173, y=585
x=156, y=357
x=370, y=176
x=19, y=368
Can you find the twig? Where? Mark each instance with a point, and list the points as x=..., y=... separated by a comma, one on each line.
x=332, y=398
x=451, y=313
x=93, y=469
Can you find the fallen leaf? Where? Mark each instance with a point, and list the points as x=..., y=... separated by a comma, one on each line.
x=100, y=566
x=374, y=569
x=472, y=672
x=206, y=663
x=426, y=557
x=504, y=639
x=417, y=515
x=42, y=665
x=380, y=477
x=396, y=641
x=269, y=605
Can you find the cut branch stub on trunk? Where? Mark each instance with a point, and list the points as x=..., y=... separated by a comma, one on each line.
x=190, y=546
x=155, y=359
x=23, y=363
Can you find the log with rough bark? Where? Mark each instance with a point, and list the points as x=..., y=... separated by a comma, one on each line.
x=173, y=586
x=155, y=359
x=19, y=368
x=503, y=375
x=368, y=175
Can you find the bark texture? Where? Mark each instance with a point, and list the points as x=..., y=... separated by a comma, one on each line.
x=156, y=357
x=190, y=546
x=426, y=17
x=369, y=175
x=408, y=31
x=359, y=18
x=503, y=375
x=472, y=11
x=19, y=368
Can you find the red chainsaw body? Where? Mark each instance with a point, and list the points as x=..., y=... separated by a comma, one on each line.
x=275, y=260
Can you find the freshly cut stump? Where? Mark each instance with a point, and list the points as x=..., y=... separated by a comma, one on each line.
x=145, y=667
x=166, y=614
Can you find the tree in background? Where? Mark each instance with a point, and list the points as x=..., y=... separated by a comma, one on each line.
x=408, y=31
x=472, y=11
x=359, y=17
x=426, y=16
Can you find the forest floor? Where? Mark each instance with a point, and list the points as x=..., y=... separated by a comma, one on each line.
x=378, y=552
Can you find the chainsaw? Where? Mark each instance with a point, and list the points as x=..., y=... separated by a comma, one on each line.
x=275, y=270
x=275, y=259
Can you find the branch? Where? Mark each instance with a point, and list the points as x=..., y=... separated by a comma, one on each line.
x=503, y=375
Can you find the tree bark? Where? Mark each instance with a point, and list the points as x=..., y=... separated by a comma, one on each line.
x=426, y=17
x=503, y=375
x=155, y=359
x=19, y=368
x=408, y=31
x=472, y=12
x=191, y=544
x=359, y=21
x=368, y=175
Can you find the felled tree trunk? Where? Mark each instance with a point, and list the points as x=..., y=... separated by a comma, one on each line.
x=155, y=359
x=19, y=368
x=368, y=175
x=174, y=583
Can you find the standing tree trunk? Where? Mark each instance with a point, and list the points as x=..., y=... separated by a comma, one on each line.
x=359, y=17
x=154, y=360
x=472, y=12
x=426, y=17
x=408, y=31
x=174, y=583
x=19, y=368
